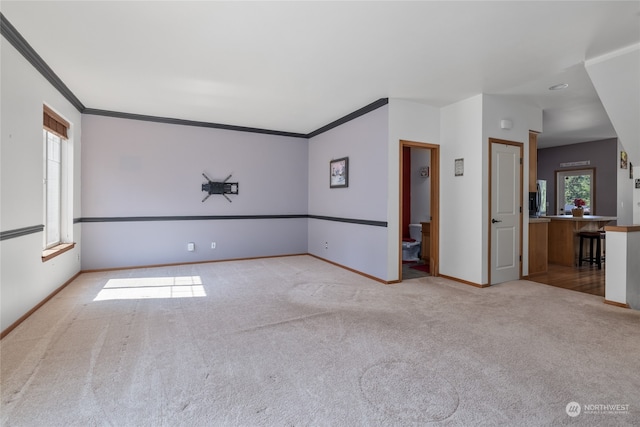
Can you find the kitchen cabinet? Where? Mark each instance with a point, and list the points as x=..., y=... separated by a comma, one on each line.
x=563, y=236
x=538, y=245
x=426, y=241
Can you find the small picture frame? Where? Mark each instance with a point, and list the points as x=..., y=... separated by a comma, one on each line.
x=459, y=167
x=623, y=160
x=637, y=182
x=339, y=173
x=424, y=172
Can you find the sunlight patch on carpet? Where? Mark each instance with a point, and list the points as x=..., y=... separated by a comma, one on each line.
x=152, y=288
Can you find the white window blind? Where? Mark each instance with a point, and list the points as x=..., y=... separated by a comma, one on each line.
x=54, y=123
x=53, y=188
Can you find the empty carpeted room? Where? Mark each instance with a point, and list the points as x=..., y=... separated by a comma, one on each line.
x=310, y=213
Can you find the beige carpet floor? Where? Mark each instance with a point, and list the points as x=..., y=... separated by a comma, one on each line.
x=295, y=341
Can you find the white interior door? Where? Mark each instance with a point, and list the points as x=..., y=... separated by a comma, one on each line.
x=505, y=212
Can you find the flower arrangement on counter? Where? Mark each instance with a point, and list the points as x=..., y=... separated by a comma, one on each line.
x=579, y=203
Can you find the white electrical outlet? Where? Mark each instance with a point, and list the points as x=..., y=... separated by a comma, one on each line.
x=213, y=245
x=191, y=246
x=326, y=245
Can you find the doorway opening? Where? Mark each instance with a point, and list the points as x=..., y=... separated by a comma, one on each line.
x=419, y=209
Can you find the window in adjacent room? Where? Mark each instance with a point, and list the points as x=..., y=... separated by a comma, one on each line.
x=575, y=184
x=58, y=220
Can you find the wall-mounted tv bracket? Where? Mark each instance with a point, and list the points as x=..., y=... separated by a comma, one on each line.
x=223, y=188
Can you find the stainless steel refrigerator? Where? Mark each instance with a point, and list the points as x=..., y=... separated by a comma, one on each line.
x=543, y=204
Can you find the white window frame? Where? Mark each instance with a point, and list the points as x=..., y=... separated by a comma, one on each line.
x=62, y=219
x=560, y=193
x=52, y=189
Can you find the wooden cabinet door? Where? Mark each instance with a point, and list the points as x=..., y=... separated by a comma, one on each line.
x=538, y=244
x=426, y=241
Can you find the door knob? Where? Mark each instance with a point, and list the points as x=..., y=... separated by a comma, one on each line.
x=493, y=220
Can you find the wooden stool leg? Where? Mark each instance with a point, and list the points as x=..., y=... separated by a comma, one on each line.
x=580, y=255
x=598, y=258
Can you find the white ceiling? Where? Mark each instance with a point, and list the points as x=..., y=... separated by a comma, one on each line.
x=297, y=66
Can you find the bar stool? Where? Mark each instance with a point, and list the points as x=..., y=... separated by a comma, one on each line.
x=593, y=258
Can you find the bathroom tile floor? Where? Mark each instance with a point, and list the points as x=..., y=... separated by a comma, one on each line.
x=412, y=273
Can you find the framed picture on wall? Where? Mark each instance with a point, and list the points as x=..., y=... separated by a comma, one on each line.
x=623, y=160
x=459, y=167
x=339, y=173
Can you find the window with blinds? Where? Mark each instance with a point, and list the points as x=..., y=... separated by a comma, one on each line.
x=54, y=123
x=55, y=134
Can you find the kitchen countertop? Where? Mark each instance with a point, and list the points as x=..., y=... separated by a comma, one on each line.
x=533, y=220
x=581, y=218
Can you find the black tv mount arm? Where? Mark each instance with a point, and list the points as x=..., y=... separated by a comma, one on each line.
x=224, y=187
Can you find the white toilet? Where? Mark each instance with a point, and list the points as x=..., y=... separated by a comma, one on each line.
x=411, y=250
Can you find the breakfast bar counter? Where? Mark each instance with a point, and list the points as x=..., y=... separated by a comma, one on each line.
x=563, y=235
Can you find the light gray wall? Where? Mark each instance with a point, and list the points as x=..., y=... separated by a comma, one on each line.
x=24, y=279
x=144, y=169
x=602, y=155
x=466, y=128
x=420, y=186
x=524, y=118
x=357, y=246
x=625, y=186
x=408, y=121
x=462, y=232
x=636, y=195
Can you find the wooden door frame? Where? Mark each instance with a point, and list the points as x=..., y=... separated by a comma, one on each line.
x=434, y=242
x=489, y=227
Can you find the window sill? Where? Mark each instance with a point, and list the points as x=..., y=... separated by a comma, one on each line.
x=53, y=252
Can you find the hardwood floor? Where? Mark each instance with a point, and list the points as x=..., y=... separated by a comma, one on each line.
x=587, y=279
